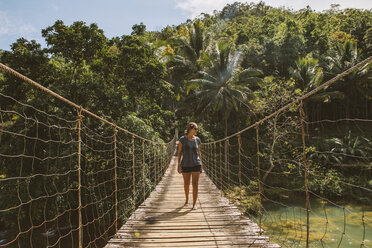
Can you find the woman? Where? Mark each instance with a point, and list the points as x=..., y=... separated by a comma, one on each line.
x=190, y=165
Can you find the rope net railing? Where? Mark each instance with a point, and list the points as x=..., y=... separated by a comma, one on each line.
x=70, y=181
x=306, y=183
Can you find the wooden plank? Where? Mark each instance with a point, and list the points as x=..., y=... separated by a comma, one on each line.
x=163, y=221
x=187, y=226
x=218, y=244
x=185, y=235
x=192, y=242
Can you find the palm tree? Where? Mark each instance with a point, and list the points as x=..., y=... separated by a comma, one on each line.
x=191, y=48
x=223, y=86
x=308, y=75
x=339, y=60
x=184, y=65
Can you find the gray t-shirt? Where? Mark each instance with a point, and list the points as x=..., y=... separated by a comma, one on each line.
x=190, y=156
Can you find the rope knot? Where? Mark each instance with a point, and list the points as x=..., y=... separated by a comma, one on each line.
x=80, y=116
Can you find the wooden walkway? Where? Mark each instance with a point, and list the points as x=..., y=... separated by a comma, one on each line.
x=163, y=221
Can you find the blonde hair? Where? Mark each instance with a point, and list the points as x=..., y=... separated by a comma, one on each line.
x=190, y=126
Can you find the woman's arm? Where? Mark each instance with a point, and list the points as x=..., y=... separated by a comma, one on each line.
x=179, y=169
x=200, y=157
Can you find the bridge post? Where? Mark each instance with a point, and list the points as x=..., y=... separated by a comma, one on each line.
x=162, y=166
x=116, y=182
x=155, y=165
x=143, y=170
x=221, y=169
x=80, y=118
x=134, y=175
x=158, y=163
x=259, y=178
x=227, y=162
x=206, y=168
x=302, y=116
x=210, y=161
x=240, y=165
x=215, y=164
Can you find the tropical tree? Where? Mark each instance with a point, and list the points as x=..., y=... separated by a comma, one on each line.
x=307, y=75
x=184, y=64
x=193, y=47
x=223, y=86
x=138, y=29
x=341, y=58
x=75, y=43
x=139, y=71
x=28, y=58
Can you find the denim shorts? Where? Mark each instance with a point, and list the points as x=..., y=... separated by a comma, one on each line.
x=196, y=168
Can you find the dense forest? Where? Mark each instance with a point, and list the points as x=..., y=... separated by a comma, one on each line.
x=216, y=67
x=235, y=66
x=224, y=71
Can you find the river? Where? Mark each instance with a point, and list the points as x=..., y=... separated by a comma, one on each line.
x=286, y=225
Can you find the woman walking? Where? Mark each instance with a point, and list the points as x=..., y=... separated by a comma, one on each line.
x=189, y=161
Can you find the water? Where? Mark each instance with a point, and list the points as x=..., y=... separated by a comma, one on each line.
x=330, y=225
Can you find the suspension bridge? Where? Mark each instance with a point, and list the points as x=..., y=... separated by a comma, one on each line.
x=163, y=221
x=83, y=181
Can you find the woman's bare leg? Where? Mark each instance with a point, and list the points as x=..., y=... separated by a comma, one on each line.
x=186, y=185
x=195, y=188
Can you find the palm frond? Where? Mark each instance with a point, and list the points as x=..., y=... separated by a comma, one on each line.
x=198, y=83
x=251, y=72
x=207, y=76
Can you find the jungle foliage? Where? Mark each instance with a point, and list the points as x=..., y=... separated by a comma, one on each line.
x=224, y=71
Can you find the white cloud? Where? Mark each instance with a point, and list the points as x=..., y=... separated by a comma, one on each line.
x=195, y=7
x=8, y=26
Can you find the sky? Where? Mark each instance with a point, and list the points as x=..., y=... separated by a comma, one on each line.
x=26, y=18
